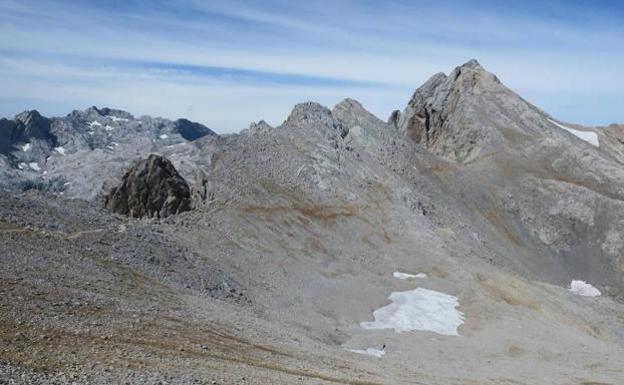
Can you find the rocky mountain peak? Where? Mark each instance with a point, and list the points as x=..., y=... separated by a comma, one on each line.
x=455, y=116
x=472, y=64
x=110, y=112
x=314, y=115
x=351, y=113
x=260, y=126
x=31, y=125
x=307, y=112
x=191, y=130
x=150, y=188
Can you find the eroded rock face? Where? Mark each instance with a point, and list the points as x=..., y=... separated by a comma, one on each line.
x=468, y=113
x=151, y=188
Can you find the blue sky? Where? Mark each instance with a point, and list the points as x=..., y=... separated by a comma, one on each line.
x=227, y=63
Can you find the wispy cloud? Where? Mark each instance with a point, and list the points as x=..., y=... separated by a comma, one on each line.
x=193, y=58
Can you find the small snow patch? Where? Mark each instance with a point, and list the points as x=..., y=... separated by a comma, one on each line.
x=419, y=309
x=164, y=136
x=583, y=288
x=26, y=147
x=60, y=150
x=588, y=136
x=34, y=166
x=116, y=119
x=369, y=352
x=21, y=165
x=400, y=275
x=109, y=128
x=94, y=124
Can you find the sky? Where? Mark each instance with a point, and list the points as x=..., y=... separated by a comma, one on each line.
x=229, y=63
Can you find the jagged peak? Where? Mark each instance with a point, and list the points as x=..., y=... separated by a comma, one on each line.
x=349, y=103
x=106, y=111
x=312, y=114
x=259, y=126
x=28, y=115
x=449, y=114
x=190, y=130
x=308, y=111
x=350, y=113
x=472, y=64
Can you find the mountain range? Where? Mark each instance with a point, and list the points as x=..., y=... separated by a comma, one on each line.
x=470, y=238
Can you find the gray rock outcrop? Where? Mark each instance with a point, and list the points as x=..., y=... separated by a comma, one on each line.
x=151, y=188
x=466, y=113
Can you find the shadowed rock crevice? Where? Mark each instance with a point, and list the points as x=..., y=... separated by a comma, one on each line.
x=151, y=188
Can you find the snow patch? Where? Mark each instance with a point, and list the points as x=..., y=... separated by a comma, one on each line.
x=21, y=165
x=369, y=352
x=26, y=147
x=588, y=136
x=583, y=288
x=34, y=166
x=109, y=128
x=60, y=150
x=116, y=119
x=164, y=136
x=399, y=275
x=419, y=309
x=94, y=124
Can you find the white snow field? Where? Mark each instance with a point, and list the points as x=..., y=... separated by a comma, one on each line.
x=399, y=275
x=369, y=352
x=164, y=136
x=419, y=309
x=583, y=288
x=34, y=166
x=116, y=119
x=588, y=136
x=95, y=124
x=26, y=147
x=60, y=150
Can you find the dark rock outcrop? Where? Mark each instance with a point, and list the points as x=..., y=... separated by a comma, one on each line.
x=191, y=130
x=151, y=188
x=26, y=127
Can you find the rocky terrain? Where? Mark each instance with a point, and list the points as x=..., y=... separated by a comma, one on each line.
x=142, y=250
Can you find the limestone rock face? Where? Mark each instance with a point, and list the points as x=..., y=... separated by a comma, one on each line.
x=467, y=113
x=151, y=188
